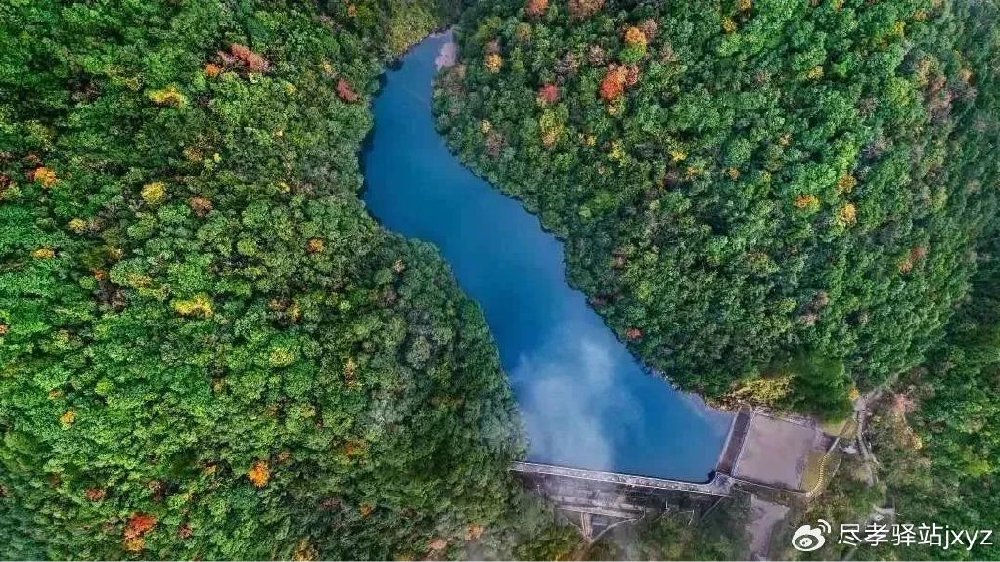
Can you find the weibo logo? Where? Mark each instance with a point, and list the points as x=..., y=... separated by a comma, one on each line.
x=808, y=538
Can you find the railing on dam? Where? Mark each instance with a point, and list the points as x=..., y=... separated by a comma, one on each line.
x=720, y=484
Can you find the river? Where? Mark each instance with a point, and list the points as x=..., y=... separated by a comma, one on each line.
x=585, y=400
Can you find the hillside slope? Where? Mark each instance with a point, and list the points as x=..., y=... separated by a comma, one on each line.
x=208, y=348
x=770, y=200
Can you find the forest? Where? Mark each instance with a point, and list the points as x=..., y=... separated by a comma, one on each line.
x=936, y=437
x=208, y=348
x=775, y=203
x=936, y=431
x=771, y=201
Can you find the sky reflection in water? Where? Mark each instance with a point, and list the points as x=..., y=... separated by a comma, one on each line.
x=585, y=401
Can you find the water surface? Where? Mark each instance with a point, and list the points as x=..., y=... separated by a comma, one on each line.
x=586, y=402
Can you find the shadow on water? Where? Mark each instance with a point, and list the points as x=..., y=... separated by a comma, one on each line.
x=586, y=402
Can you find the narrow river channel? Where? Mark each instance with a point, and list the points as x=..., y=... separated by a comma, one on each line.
x=586, y=402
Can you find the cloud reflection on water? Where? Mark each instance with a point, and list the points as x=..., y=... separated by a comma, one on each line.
x=567, y=385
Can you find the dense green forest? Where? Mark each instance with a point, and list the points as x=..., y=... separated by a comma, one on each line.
x=936, y=439
x=770, y=200
x=937, y=435
x=208, y=348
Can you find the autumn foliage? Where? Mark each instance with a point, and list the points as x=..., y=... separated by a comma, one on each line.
x=170, y=96
x=548, y=94
x=259, y=474
x=243, y=56
x=494, y=63
x=635, y=36
x=806, y=202
x=346, y=92
x=139, y=524
x=136, y=528
x=848, y=215
x=582, y=9
x=43, y=175
x=315, y=245
x=201, y=206
x=613, y=85
x=536, y=8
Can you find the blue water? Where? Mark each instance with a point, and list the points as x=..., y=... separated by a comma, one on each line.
x=586, y=402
